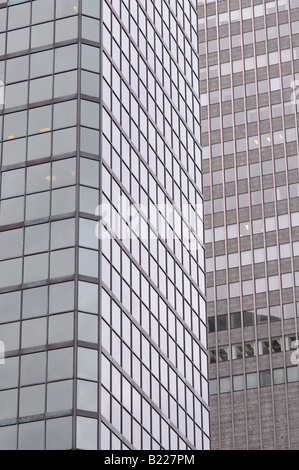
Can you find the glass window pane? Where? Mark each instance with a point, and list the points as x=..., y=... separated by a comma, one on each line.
x=65, y=58
x=88, y=328
x=34, y=333
x=88, y=297
x=32, y=400
x=10, y=272
x=278, y=376
x=62, y=263
x=235, y=319
x=251, y=380
x=18, y=16
x=32, y=436
x=62, y=234
x=8, y=404
x=12, y=183
x=66, y=8
x=42, y=11
x=64, y=141
x=18, y=40
x=39, y=146
x=10, y=307
x=61, y=297
x=265, y=378
x=8, y=438
x=66, y=29
x=89, y=172
x=64, y=173
x=11, y=244
x=60, y=396
x=38, y=178
x=12, y=211
x=35, y=302
x=33, y=369
x=42, y=34
x=13, y=151
x=41, y=63
x=36, y=268
x=65, y=114
x=87, y=364
x=238, y=382
x=61, y=328
x=292, y=374
x=87, y=399
x=36, y=239
x=60, y=364
x=63, y=201
x=59, y=434
x=87, y=433
x=9, y=373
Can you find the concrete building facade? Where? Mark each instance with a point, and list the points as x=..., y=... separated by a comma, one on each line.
x=249, y=54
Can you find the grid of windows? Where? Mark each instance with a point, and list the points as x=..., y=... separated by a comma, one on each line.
x=105, y=341
x=153, y=287
x=249, y=69
x=265, y=346
x=250, y=381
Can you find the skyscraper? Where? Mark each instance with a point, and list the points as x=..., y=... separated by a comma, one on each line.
x=104, y=329
x=249, y=82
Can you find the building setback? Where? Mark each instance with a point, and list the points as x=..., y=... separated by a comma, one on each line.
x=249, y=82
x=105, y=337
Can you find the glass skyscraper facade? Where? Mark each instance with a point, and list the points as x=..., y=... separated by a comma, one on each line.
x=249, y=82
x=105, y=336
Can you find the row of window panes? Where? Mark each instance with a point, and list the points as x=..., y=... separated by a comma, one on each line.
x=251, y=143
x=226, y=121
x=254, y=63
x=41, y=301
x=141, y=439
x=249, y=350
x=31, y=435
x=259, y=255
x=21, y=15
x=41, y=35
x=246, y=13
x=248, y=317
x=257, y=226
x=255, y=170
x=261, y=285
x=237, y=92
x=252, y=380
x=236, y=41
x=254, y=198
x=40, y=64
